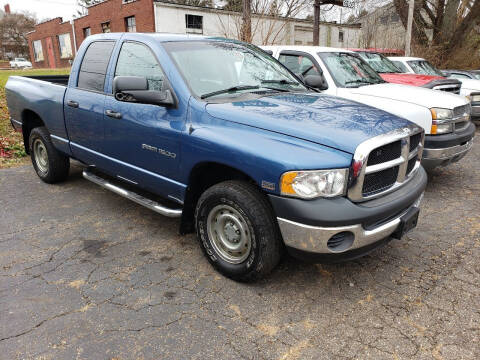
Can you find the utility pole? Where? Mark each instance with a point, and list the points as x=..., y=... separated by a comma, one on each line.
x=316, y=22
x=408, y=36
x=246, y=20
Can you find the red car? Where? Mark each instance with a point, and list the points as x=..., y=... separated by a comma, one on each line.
x=392, y=74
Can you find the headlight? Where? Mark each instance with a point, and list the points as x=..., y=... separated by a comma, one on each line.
x=475, y=98
x=314, y=183
x=441, y=121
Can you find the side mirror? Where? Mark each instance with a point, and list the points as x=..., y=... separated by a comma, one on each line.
x=135, y=89
x=316, y=81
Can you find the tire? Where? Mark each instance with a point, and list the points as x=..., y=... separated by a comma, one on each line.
x=50, y=165
x=240, y=214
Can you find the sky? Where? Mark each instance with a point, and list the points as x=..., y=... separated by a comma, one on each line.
x=44, y=9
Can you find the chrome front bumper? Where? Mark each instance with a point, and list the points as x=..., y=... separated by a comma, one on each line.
x=314, y=239
x=447, y=153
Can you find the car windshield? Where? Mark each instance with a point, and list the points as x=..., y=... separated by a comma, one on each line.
x=20, y=59
x=476, y=75
x=400, y=65
x=423, y=67
x=222, y=68
x=379, y=63
x=349, y=70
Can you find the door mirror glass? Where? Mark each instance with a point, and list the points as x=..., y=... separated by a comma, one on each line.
x=316, y=81
x=135, y=89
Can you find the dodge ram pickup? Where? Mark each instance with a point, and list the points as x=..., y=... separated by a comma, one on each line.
x=445, y=117
x=221, y=135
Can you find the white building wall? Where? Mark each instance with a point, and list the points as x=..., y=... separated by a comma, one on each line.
x=170, y=18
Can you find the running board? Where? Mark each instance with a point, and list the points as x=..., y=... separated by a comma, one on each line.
x=139, y=199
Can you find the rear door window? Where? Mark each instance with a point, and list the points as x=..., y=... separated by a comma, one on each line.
x=94, y=66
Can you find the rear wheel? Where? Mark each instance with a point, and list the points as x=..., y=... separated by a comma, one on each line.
x=50, y=165
x=237, y=230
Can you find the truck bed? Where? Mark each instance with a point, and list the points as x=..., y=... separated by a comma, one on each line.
x=54, y=79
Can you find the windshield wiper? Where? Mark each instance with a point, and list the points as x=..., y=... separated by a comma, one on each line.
x=360, y=81
x=229, y=90
x=282, y=82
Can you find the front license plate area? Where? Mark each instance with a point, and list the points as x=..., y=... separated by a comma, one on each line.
x=407, y=222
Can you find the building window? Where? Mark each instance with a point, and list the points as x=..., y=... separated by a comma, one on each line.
x=194, y=23
x=106, y=27
x=65, y=46
x=340, y=36
x=38, y=50
x=87, y=32
x=130, y=24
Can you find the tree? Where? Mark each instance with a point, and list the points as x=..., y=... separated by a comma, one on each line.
x=84, y=4
x=316, y=16
x=13, y=30
x=450, y=22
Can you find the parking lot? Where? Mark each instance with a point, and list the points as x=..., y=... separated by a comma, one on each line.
x=86, y=274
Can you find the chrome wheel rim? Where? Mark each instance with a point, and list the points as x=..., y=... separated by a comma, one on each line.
x=41, y=155
x=229, y=234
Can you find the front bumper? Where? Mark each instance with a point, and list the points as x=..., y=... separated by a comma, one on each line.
x=307, y=226
x=441, y=150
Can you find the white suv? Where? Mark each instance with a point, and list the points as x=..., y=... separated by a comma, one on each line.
x=20, y=63
x=444, y=116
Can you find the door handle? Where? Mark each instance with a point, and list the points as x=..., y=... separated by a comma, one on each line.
x=113, y=114
x=72, y=103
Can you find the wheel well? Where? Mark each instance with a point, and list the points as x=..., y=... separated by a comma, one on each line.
x=30, y=120
x=201, y=178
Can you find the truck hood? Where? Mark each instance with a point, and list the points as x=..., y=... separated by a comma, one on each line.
x=331, y=121
x=415, y=95
x=470, y=84
x=409, y=79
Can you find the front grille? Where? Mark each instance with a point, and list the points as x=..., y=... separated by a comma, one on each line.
x=384, y=163
x=379, y=181
x=461, y=110
x=385, y=153
x=461, y=125
x=411, y=164
x=414, y=141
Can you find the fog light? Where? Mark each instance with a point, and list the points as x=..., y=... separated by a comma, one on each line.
x=341, y=241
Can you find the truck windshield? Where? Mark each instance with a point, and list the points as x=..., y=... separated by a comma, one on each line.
x=379, y=63
x=349, y=70
x=217, y=68
x=423, y=67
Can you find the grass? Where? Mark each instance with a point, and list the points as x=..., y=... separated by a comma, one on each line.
x=12, y=151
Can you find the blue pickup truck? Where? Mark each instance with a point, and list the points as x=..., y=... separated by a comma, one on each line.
x=220, y=134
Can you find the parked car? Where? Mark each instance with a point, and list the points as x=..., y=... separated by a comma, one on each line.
x=470, y=87
x=240, y=149
x=444, y=116
x=20, y=63
x=391, y=73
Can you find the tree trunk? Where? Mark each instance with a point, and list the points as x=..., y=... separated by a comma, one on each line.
x=246, y=20
x=458, y=37
x=449, y=20
x=316, y=23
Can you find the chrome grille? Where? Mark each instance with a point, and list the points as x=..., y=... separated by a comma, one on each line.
x=385, y=173
x=461, y=117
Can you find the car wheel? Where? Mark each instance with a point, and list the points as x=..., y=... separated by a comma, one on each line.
x=237, y=230
x=50, y=165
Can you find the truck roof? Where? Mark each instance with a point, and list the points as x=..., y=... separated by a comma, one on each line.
x=405, y=58
x=162, y=37
x=306, y=48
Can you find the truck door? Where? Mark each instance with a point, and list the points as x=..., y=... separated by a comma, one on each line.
x=144, y=138
x=84, y=103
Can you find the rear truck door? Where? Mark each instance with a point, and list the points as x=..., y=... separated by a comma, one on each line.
x=84, y=103
x=143, y=140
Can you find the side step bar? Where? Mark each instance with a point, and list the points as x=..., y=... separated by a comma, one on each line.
x=139, y=199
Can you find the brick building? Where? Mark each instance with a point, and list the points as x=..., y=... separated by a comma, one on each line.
x=53, y=43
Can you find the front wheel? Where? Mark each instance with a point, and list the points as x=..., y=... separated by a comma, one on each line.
x=237, y=230
x=50, y=165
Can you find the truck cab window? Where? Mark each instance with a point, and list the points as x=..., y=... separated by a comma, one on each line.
x=298, y=64
x=137, y=60
x=94, y=65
